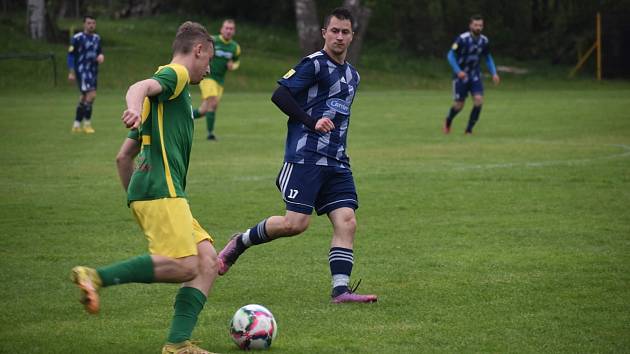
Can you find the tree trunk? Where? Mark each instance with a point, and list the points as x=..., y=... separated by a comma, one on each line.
x=309, y=30
x=361, y=16
x=63, y=9
x=435, y=10
x=36, y=17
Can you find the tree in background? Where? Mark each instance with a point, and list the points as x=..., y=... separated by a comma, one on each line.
x=361, y=21
x=551, y=30
x=309, y=27
x=36, y=18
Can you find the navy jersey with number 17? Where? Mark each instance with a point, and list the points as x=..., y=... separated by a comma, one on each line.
x=323, y=88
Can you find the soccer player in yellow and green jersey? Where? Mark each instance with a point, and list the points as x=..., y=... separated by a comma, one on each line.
x=180, y=251
x=226, y=57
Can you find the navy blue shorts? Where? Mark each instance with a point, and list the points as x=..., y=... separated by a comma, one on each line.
x=324, y=188
x=461, y=87
x=86, y=81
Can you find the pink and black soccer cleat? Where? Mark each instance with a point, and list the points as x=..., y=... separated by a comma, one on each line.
x=228, y=255
x=352, y=296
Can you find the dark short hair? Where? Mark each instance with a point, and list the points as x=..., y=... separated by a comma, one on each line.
x=341, y=13
x=189, y=34
x=475, y=17
x=88, y=17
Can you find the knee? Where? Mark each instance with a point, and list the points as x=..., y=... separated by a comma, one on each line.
x=189, y=269
x=208, y=264
x=349, y=223
x=291, y=227
x=478, y=101
x=458, y=105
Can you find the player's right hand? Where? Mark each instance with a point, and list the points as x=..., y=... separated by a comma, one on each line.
x=71, y=76
x=131, y=118
x=324, y=125
x=462, y=75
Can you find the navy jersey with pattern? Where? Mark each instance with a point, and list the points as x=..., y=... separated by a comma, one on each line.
x=469, y=50
x=323, y=88
x=84, y=48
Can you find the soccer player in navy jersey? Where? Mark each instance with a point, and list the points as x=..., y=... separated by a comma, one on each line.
x=84, y=56
x=317, y=95
x=464, y=58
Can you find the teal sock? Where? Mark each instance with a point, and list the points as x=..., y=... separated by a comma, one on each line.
x=196, y=113
x=210, y=117
x=188, y=304
x=133, y=270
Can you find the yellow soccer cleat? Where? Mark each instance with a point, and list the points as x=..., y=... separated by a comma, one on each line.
x=88, y=282
x=87, y=129
x=76, y=129
x=186, y=347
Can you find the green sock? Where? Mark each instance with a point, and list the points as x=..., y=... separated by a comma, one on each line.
x=188, y=304
x=133, y=270
x=210, y=121
x=196, y=113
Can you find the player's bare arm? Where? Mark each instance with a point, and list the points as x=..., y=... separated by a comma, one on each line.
x=124, y=160
x=135, y=96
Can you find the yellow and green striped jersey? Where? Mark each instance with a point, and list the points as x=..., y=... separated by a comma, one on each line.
x=224, y=51
x=167, y=134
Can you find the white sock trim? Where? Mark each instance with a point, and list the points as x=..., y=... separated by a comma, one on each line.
x=340, y=280
x=245, y=238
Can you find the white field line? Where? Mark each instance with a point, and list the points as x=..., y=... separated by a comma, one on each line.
x=527, y=164
x=625, y=153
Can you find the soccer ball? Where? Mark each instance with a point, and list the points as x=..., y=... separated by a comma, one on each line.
x=253, y=327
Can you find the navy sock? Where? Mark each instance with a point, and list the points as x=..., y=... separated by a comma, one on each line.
x=80, y=113
x=451, y=115
x=255, y=235
x=341, y=261
x=474, y=117
x=87, y=109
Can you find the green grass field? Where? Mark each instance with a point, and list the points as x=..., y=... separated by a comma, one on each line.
x=516, y=239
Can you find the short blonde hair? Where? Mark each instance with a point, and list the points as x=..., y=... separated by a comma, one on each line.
x=188, y=34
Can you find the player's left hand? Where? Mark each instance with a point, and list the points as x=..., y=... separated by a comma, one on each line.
x=496, y=79
x=230, y=65
x=131, y=118
x=324, y=125
x=100, y=58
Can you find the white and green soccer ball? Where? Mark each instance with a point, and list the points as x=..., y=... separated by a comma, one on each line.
x=253, y=327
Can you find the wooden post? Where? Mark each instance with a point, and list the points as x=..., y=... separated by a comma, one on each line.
x=596, y=47
x=599, y=47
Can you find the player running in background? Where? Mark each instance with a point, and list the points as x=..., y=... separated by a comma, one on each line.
x=180, y=250
x=84, y=56
x=464, y=58
x=226, y=57
x=317, y=95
